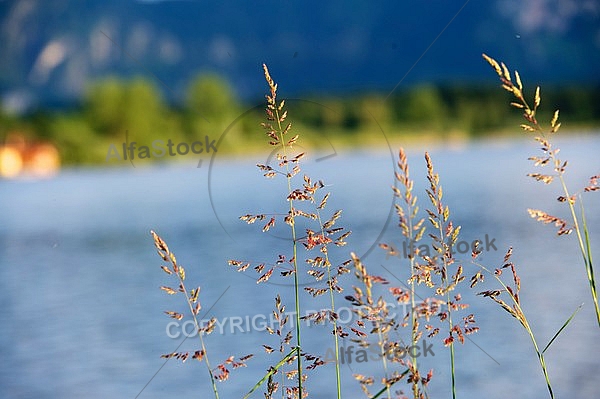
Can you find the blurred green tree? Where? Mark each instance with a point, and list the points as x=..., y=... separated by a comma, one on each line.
x=374, y=111
x=114, y=107
x=424, y=106
x=210, y=107
x=76, y=141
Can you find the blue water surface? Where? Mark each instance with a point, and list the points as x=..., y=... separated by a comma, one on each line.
x=82, y=313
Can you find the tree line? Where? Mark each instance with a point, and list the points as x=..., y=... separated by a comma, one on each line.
x=115, y=109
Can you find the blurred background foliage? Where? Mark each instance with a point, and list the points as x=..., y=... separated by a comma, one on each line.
x=114, y=110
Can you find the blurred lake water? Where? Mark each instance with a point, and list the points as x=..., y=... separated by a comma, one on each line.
x=82, y=313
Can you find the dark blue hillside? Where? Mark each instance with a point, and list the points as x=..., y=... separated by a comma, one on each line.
x=51, y=49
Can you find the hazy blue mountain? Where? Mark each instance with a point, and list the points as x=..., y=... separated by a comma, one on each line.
x=50, y=49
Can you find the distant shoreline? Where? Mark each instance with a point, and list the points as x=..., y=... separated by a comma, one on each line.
x=410, y=143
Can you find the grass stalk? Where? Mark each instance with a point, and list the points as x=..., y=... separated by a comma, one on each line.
x=589, y=267
x=338, y=379
x=192, y=302
x=407, y=214
x=446, y=284
x=550, y=157
x=374, y=312
x=383, y=353
x=271, y=372
x=280, y=131
x=391, y=383
x=200, y=337
x=445, y=239
x=517, y=312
